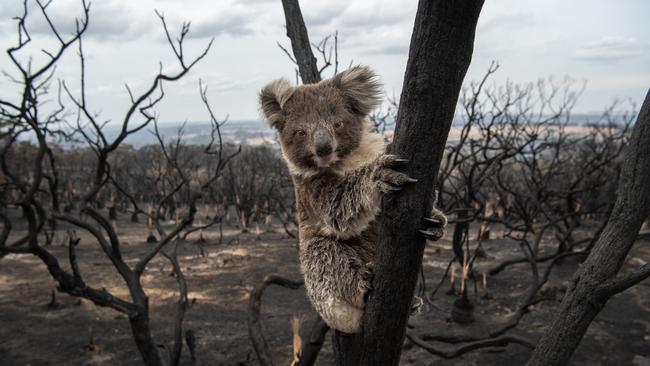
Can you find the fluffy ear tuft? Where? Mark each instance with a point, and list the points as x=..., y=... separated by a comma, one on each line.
x=361, y=89
x=272, y=99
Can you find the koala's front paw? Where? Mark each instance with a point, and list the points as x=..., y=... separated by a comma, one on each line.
x=365, y=283
x=417, y=304
x=435, y=225
x=389, y=179
x=367, y=272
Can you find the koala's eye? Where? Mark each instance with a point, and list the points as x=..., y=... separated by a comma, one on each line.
x=299, y=133
x=338, y=125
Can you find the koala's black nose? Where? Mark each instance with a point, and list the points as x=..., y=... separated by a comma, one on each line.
x=322, y=142
x=323, y=150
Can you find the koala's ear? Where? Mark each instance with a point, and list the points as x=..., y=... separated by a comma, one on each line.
x=272, y=100
x=361, y=89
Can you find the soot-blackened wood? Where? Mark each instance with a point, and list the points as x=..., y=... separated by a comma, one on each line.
x=460, y=235
x=312, y=345
x=439, y=55
x=141, y=331
x=595, y=281
x=297, y=33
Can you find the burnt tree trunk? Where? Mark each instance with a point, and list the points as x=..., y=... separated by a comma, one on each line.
x=595, y=281
x=144, y=340
x=461, y=230
x=312, y=345
x=297, y=33
x=112, y=212
x=439, y=55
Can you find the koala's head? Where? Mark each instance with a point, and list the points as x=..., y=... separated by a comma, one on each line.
x=321, y=124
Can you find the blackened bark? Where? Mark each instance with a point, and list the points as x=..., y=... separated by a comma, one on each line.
x=297, y=33
x=460, y=234
x=595, y=281
x=347, y=348
x=439, y=55
x=311, y=346
x=143, y=340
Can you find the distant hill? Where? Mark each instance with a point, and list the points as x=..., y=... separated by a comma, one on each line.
x=251, y=132
x=247, y=132
x=198, y=133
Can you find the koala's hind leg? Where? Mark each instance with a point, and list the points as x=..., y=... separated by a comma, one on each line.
x=336, y=280
x=344, y=317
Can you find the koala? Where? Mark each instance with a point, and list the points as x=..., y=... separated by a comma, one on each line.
x=340, y=170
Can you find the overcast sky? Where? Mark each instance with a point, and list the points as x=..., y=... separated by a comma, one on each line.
x=603, y=42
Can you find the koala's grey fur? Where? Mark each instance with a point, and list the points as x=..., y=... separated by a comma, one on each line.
x=338, y=194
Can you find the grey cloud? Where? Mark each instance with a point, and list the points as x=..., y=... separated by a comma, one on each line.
x=507, y=23
x=393, y=48
x=9, y=9
x=235, y=24
x=384, y=40
x=112, y=23
x=388, y=50
x=233, y=19
x=359, y=20
x=107, y=21
x=368, y=29
x=374, y=20
x=322, y=14
x=611, y=49
x=254, y=2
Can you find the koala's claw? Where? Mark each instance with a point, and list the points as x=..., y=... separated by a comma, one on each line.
x=390, y=160
x=367, y=273
x=434, y=220
x=435, y=226
x=400, y=161
x=417, y=304
x=369, y=268
x=432, y=235
x=391, y=180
